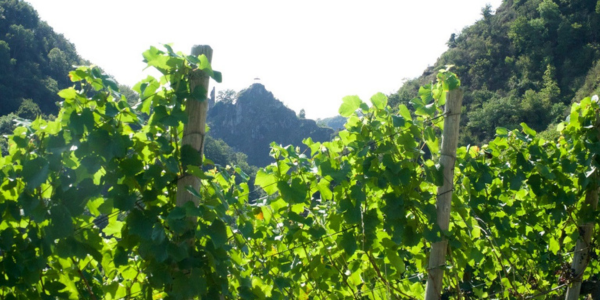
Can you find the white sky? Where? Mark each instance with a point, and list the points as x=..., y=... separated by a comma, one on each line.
x=310, y=54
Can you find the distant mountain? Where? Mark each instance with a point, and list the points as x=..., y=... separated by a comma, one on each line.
x=525, y=62
x=256, y=119
x=335, y=123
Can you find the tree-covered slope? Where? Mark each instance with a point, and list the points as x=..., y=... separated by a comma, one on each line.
x=34, y=60
x=525, y=62
x=256, y=119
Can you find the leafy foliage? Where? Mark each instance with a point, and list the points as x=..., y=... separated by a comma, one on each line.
x=61, y=176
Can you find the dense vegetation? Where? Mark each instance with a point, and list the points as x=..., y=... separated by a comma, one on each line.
x=87, y=199
x=88, y=204
x=527, y=62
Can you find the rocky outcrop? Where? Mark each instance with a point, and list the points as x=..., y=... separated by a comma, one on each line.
x=256, y=119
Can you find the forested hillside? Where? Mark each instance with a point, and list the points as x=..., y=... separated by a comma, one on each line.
x=34, y=60
x=525, y=62
x=256, y=119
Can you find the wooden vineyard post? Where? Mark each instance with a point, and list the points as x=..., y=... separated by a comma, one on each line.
x=581, y=255
x=195, y=129
x=437, y=256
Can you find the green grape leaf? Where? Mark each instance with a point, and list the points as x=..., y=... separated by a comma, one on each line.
x=178, y=252
x=433, y=235
x=300, y=219
x=517, y=181
x=294, y=193
x=423, y=109
x=449, y=80
x=29, y=203
x=121, y=257
x=190, y=156
x=139, y=224
x=131, y=166
x=535, y=182
x=158, y=233
x=61, y=225
x=317, y=232
x=204, y=64
x=352, y=213
x=553, y=245
x=217, y=76
x=266, y=212
x=268, y=182
x=404, y=112
x=425, y=93
x=199, y=93
x=56, y=144
x=528, y=130
x=69, y=93
x=111, y=110
x=435, y=174
x=395, y=260
x=349, y=106
x=379, y=100
x=323, y=186
x=348, y=243
x=398, y=121
x=405, y=175
x=35, y=172
x=501, y=132
x=218, y=233
x=110, y=82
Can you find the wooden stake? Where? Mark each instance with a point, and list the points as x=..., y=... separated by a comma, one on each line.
x=581, y=256
x=195, y=130
x=437, y=257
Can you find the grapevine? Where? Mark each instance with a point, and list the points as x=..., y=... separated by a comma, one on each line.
x=87, y=203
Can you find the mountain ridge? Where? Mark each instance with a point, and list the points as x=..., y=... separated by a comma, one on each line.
x=256, y=119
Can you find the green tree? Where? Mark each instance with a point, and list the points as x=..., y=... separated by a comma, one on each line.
x=550, y=12
x=58, y=62
x=29, y=110
x=227, y=96
x=7, y=125
x=550, y=91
